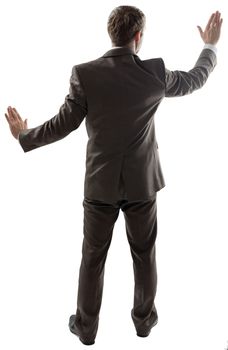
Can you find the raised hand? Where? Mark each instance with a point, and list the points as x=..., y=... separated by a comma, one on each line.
x=211, y=34
x=16, y=123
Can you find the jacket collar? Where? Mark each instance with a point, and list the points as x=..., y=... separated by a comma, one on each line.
x=119, y=51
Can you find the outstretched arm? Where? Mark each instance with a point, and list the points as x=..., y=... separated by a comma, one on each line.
x=70, y=116
x=180, y=83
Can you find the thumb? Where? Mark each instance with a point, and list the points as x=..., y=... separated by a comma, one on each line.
x=200, y=30
x=26, y=123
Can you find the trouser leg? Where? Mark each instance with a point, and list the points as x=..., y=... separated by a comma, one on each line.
x=99, y=220
x=141, y=229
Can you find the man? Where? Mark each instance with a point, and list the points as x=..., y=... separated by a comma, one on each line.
x=118, y=94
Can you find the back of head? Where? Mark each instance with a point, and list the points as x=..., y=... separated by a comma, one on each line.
x=123, y=23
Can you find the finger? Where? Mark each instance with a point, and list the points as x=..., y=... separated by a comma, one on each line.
x=219, y=25
x=16, y=114
x=10, y=113
x=26, y=123
x=13, y=117
x=7, y=118
x=200, y=30
x=218, y=16
x=9, y=109
x=219, y=19
x=216, y=19
x=210, y=21
x=15, y=111
x=10, y=121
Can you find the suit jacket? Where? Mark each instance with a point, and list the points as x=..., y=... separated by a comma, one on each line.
x=118, y=95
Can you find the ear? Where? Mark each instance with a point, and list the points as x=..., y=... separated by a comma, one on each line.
x=138, y=36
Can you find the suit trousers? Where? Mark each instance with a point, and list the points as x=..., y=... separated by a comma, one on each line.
x=141, y=229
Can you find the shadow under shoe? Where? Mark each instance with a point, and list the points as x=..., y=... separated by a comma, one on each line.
x=74, y=329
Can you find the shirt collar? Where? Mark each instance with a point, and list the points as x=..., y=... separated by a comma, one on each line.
x=119, y=51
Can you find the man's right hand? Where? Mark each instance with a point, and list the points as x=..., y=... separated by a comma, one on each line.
x=212, y=31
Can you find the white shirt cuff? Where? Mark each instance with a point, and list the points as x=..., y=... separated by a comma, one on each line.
x=211, y=47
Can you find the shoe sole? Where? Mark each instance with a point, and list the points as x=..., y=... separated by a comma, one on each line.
x=144, y=335
x=85, y=342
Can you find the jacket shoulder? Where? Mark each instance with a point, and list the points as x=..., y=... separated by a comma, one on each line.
x=88, y=63
x=152, y=65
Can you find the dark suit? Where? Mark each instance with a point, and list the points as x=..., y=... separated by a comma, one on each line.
x=118, y=94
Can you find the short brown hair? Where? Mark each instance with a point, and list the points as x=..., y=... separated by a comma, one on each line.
x=123, y=23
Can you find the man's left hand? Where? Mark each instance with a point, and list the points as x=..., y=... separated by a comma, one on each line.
x=15, y=121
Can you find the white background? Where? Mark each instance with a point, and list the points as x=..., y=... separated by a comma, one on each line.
x=41, y=192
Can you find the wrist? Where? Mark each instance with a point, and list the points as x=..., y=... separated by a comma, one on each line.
x=211, y=47
x=17, y=135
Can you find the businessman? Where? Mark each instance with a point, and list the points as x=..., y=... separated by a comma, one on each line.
x=118, y=95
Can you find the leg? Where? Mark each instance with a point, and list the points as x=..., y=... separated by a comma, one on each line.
x=141, y=229
x=99, y=220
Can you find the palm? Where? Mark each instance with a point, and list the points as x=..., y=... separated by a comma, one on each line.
x=16, y=124
x=211, y=34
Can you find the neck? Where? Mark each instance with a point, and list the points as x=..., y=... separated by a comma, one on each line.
x=130, y=45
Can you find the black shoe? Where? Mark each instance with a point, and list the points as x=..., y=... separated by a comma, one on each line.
x=73, y=328
x=144, y=334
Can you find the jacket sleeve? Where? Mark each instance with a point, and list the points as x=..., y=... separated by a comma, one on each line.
x=180, y=83
x=70, y=116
